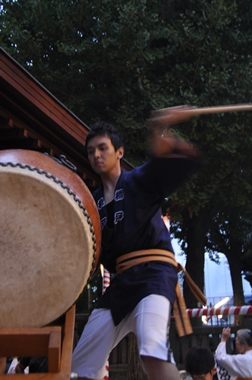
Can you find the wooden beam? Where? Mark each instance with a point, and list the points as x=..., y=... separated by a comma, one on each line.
x=15, y=342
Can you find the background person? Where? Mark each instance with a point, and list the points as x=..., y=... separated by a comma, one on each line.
x=200, y=364
x=239, y=365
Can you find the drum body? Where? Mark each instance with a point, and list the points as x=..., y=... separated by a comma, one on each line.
x=50, y=238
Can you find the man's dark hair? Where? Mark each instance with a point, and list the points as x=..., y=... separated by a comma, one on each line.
x=105, y=129
x=199, y=361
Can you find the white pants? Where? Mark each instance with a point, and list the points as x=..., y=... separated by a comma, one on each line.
x=150, y=323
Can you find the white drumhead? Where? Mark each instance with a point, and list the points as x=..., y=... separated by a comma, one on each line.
x=46, y=248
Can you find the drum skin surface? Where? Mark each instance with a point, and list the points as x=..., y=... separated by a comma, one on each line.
x=50, y=238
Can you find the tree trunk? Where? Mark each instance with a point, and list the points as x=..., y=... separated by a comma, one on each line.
x=234, y=260
x=195, y=250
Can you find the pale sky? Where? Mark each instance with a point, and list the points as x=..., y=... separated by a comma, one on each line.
x=217, y=277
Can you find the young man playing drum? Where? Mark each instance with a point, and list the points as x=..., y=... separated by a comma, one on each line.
x=136, y=245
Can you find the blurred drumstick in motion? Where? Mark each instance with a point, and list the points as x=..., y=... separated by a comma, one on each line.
x=173, y=115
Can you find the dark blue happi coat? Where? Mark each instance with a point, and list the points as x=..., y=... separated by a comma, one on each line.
x=137, y=226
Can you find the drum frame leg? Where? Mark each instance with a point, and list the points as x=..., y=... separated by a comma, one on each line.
x=42, y=341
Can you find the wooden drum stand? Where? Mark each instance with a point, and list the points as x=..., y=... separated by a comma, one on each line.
x=42, y=341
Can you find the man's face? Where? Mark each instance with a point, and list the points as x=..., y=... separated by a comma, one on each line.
x=240, y=348
x=102, y=155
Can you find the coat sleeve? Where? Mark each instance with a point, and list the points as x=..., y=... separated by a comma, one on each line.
x=165, y=175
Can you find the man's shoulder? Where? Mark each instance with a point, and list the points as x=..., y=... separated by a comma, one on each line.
x=135, y=171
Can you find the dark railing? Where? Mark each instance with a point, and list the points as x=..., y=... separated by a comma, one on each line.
x=206, y=336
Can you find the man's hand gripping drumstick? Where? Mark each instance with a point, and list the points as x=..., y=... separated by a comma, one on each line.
x=163, y=146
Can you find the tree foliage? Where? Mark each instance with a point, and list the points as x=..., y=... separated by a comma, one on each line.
x=116, y=61
x=218, y=38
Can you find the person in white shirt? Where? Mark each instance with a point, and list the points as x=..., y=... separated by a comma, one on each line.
x=239, y=365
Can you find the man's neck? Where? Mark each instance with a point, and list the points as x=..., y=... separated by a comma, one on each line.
x=109, y=182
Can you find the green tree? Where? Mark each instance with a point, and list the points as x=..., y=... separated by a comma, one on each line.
x=220, y=65
x=93, y=56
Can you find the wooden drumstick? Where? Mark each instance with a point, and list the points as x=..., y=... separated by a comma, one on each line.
x=219, y=109
x=163, y=116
